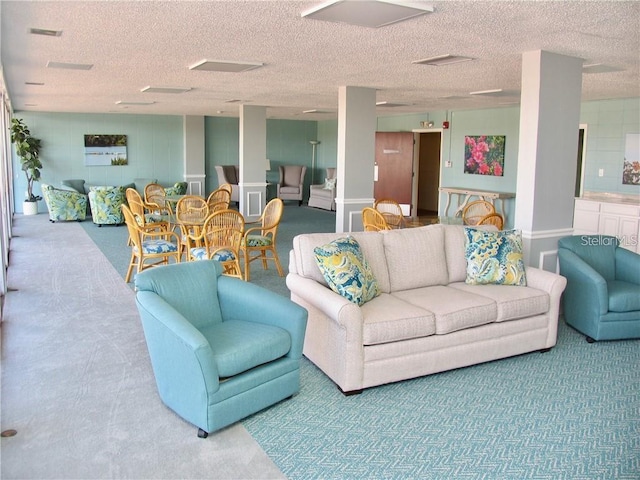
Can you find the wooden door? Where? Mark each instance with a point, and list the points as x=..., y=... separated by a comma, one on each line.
x=394, y=166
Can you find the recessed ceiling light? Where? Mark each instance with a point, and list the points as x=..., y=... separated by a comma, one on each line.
x=225, y=66
x=390, y=104
x=372, y=14
x=150, y=89
x=599, y=68
x=123, y=102
x=70, y=66
x=45, y=32
x=442, y=60
x=487, y=92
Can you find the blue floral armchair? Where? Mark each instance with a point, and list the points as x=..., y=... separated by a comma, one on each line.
x=64, y=204
x=105, y=205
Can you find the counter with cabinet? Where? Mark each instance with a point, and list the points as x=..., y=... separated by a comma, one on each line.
x=609, y=214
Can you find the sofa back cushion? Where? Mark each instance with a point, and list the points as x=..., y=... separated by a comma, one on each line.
x=370, y=245
x=415, y=257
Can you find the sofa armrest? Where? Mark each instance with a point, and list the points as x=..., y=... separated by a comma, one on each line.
x=241, y=300
x=549, y=282
x=586, y=288
x=343, y=312
x=627, y=266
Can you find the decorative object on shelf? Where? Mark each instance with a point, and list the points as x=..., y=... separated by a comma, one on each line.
x=105, y=150
x=28, y=150
x=484, y=155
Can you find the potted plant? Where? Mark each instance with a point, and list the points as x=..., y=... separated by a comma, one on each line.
x=28, y=150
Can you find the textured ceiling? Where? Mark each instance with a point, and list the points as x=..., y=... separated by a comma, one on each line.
x=136, y=44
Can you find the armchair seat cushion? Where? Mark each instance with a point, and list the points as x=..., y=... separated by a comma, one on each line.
x=318, y=191
x=623, y=296
x=291, y=190
x=200, y=253
x=157, y=246
x=258, y=241
x=239, y=346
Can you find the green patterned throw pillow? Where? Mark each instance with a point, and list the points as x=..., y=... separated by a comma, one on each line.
x=346, y=271
x=494, y=257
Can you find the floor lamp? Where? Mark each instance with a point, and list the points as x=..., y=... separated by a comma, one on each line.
x=313, y=158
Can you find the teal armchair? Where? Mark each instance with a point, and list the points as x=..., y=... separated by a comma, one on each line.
x=602, y=297
x=221, y=349
x=105, y=205
x=64, y=203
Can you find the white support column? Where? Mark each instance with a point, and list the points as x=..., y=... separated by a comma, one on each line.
x=194, y=174
x=357, y=124
x=253, y=159
x=547, y=152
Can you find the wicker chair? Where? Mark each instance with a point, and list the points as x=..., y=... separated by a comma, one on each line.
x=154, y=197
x=492, y=219
x=260, y=240
x=149, y=248
x=373, y=220
x=391, y=211
x=221, y=240
x=474, y=211
x=220, y=196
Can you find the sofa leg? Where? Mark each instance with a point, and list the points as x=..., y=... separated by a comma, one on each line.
x=350, y=392
x=545, y=350
x=202, y=433
x=589, y=339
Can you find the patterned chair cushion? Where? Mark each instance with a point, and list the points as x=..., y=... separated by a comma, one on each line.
x=346, y=271
x=494, y=257
x=157, y=246
x=258, y=241
x=180, y=188
x=200, y=253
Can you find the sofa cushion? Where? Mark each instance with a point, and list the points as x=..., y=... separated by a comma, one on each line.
x=512, y=302
x=390, y=319
x=494, y=257
x=415, y=257
x=370, y=244
x=346, y=270
x=454, y=309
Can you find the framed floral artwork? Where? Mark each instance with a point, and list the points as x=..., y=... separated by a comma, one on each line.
x=484, y=155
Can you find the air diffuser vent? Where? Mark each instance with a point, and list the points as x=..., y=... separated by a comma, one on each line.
x=373, y=14
x=442, y=60
x=225, y=66
x=70, y=66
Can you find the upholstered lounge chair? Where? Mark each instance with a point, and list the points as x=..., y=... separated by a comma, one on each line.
x=105, y=205
x=324, y=194
x=602, y=298
x=230, y=175
x=220, y=357
x=291, y=184
x=64, y=203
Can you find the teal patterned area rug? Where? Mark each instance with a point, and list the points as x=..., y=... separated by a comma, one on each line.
x=571, y=413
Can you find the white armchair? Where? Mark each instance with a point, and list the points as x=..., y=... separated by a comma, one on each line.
x=229, y=174
x=291, y=184
x=324, y=195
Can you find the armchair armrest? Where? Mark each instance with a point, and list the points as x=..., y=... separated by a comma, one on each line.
x=241, y=300
x=586, y=288
x=627, y=266
x=183, y=364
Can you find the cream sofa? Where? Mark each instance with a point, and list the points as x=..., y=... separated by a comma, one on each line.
x=426, y=319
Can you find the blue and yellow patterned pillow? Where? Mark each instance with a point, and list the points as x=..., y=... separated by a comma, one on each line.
x=346, y=271
x=494, y=257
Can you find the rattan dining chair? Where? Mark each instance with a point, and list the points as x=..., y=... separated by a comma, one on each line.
x=217, y=197
x=492, y=219
x=474, y=211
x=221, y=240
x=373, y=220
x=149, y=247
x=154, y=198
x=391, y=211
x=260, y=240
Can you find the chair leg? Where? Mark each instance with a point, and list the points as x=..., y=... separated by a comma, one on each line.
x=202, y=433
x=589, y=339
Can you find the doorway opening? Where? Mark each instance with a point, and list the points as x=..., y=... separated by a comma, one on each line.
x=427, y=160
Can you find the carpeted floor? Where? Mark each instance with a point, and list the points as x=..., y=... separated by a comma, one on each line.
x=571, y=413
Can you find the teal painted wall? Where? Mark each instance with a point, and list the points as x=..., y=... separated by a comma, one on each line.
x=608, y=122
x=154, y=149
x=287, y=144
